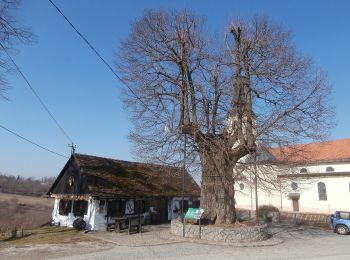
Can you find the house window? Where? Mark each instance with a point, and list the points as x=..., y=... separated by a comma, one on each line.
x=65, y=207
x=322, y=192
x=185, y=205
x=241, y=186
x=303, y=170
x=101, y=205
x=140, y=206
x=294, y=185
x=116, y=208
x=80, y=208
x=329, y=169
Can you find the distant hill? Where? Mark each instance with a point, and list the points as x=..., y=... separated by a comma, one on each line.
x=25, y=186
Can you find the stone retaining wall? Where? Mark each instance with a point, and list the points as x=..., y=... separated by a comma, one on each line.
x=212, y=233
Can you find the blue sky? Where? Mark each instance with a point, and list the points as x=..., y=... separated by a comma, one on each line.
x=84, y=96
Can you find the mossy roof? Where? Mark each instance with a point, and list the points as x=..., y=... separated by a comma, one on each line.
x=108, y=177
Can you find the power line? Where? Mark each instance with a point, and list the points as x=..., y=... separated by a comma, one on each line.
x=102, y=59
x=32, y=142
x=36, y=94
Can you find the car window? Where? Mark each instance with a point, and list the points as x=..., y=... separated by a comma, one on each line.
x=343, y=215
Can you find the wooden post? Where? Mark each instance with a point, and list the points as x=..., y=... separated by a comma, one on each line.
x=140, y=226
x=200, y=229
x=129, y=227
x=184, y=226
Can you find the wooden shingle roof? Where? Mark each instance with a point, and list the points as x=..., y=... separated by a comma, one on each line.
x=106, y=177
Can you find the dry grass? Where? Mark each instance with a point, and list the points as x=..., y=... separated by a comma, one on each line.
x=47, y=235
x=19, y=211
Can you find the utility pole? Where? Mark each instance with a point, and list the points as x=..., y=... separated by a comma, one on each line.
x=256, y=187
x=167, y=129
x=73, y=147
x=183, y=186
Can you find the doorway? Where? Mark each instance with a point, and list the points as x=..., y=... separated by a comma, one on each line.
x=295, y=203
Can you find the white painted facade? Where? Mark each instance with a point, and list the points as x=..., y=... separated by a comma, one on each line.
x=96, y=215
x=306, y=193
x=95, y=218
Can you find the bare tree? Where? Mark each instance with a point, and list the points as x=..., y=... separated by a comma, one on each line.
x=224, y=96
x=11, y=32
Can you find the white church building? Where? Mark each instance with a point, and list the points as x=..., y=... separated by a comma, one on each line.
x=308, y=178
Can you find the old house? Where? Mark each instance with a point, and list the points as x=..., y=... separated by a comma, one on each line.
x=99, y=190
x=309, y=178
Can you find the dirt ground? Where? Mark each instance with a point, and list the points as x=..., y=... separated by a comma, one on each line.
x=52, y=251
x=19, y=211
x=50, y=242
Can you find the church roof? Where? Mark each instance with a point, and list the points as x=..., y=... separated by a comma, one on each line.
x=328, y=151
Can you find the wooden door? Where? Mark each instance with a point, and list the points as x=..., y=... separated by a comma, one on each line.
x=295, y=203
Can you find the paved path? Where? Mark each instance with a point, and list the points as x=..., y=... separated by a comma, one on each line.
x=299, y=243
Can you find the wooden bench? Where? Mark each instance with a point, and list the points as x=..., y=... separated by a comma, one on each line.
x=127, y=223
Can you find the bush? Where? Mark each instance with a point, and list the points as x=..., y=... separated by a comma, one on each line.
x=263, y=210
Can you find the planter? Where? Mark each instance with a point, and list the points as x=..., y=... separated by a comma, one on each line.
x=223, y=234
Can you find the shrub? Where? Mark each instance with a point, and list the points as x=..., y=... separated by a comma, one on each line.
x=263, y=210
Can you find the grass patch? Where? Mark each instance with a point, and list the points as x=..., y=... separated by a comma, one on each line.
x=47, y=235
x=27, y=212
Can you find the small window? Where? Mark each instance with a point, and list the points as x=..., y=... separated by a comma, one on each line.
x=80, y=208
x=65, y=207
x=185, y=205
x=140, y=206
x=329, y=169
x=101, y=205
x=303, y=170
x=241, y=186
x=294, y=185
x=322, y=192
x=116, y=208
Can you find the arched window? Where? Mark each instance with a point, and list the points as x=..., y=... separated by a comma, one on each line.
x=303, y=170
x=329, y=169
x=241, y=186
x=322, y=192
x=294, y=185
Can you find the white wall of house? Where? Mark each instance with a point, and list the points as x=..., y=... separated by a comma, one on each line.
x=95, y=217
x=67, y=221
x=337, y=189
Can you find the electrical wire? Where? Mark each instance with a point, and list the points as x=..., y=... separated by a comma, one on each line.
x=32, y=142
x=104, y=61
x=36, y=94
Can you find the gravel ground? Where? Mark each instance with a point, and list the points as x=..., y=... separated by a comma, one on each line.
x=296, y=242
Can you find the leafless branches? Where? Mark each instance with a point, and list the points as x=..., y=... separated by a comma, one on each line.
x=11, y=33
x=227, y=97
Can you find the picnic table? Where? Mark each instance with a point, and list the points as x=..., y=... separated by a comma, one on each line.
x=126, y=223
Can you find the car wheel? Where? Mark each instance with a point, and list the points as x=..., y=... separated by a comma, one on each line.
x=341, y=229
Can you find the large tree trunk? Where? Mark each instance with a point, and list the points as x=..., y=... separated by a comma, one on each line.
x=217, y=191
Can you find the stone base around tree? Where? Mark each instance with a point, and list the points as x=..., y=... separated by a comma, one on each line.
x=222, y=234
